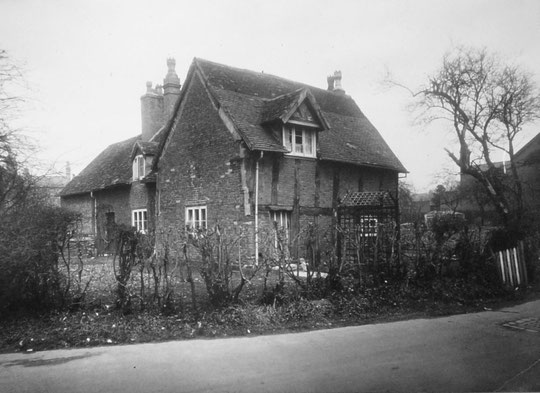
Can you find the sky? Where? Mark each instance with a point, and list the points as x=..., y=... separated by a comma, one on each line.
x=86, y=63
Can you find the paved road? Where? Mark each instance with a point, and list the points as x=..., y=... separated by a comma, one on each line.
x=472, y=352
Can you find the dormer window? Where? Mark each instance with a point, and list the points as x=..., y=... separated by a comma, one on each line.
x=139, y=170
x=300, y=140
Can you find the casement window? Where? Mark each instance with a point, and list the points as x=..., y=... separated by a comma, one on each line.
x=139, y=220
x=300, y=140
x=369, y=226
x=138, y=167
x=196, y=218
x=282, y=222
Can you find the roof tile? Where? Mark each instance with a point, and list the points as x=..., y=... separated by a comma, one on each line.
x=112, y=167
x=252, y=98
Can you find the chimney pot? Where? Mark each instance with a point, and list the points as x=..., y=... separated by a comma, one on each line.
x=330, y=80
x=171, y=88
x=171, y=64
x=149, y=87
x=337, y=82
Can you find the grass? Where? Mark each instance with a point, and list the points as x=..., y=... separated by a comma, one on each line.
x=99, y=322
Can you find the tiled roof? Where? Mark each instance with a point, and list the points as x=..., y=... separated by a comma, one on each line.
x=245, y=111
x=355, y=140
x=368, y=199
x=112, y=167
x=252, y=98
x=274, y=108
x=146, y=148
x=530, y=153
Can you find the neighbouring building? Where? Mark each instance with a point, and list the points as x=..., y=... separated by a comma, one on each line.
x=243, y=149
x=528, y=164
x=527, y=160
x=51, y=185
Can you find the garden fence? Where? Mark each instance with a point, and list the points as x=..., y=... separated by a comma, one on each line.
x=512, y=267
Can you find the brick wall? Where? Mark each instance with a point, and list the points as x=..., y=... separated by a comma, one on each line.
x=138, y=196
x=115, y=200
x=142, y=196
x=199, y=166
x=84, y=205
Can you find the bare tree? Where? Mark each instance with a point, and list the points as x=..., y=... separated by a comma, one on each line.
x=487, y=103
x=15, y=183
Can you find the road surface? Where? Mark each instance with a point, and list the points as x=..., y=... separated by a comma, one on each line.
x=471, y=352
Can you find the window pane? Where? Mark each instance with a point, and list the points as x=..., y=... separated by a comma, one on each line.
x=203, y=217
x=196, y=217
x=298, y=145
x=139, y=219
x=309, y=142
x=287, y=138
x=141, y=167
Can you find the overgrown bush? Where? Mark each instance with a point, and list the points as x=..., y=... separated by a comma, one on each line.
x=30, y=241
x=453, y=260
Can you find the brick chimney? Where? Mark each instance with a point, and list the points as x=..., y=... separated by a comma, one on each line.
x=171, y=87
x=334, y=82
x=151, y=111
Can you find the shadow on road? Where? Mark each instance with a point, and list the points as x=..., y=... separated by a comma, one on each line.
x=46, y=362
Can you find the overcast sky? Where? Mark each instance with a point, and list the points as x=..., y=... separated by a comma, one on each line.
x=86, y=62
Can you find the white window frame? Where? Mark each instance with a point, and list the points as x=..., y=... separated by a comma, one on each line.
x=139, y=220
x=196, y=217
x=300, y=140
x=282, y=218
x=139, y=167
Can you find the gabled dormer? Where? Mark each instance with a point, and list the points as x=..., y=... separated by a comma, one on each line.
x=300, y=120
x=142, y=155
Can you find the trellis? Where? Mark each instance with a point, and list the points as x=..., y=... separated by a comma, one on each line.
x=367, y=229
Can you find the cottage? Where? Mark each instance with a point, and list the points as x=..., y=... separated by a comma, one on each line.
x=239, y=148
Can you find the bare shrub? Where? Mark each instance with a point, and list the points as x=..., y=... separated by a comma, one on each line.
x=220, y=253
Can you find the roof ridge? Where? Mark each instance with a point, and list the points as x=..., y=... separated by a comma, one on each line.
x=246, y=70
x=526, y=145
